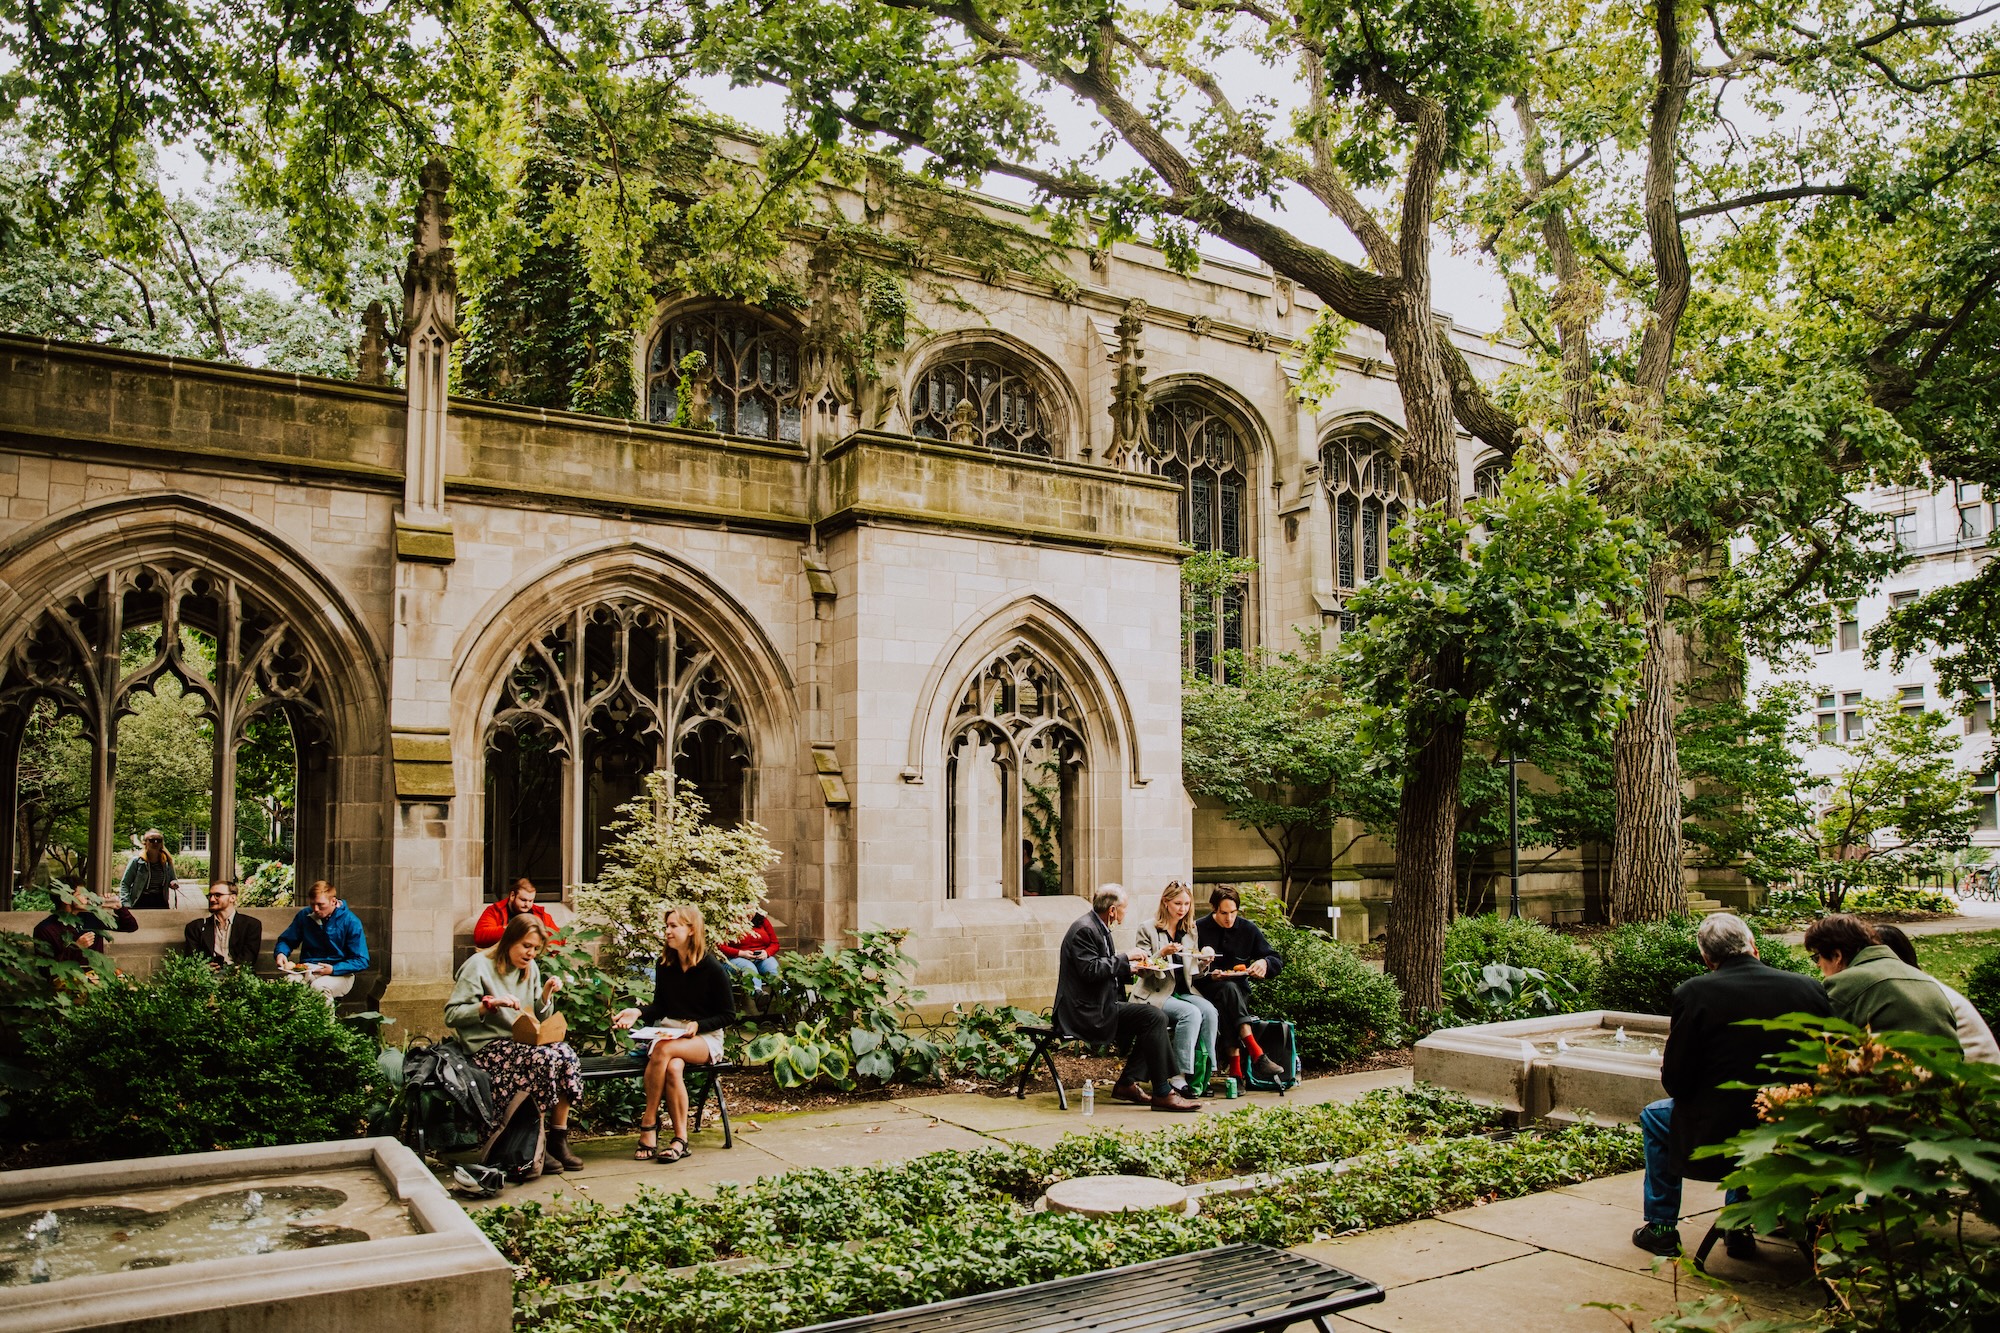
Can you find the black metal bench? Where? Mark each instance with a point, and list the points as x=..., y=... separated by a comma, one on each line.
x=1230, y=1289
x=1047, y=1037
x=703, y=1081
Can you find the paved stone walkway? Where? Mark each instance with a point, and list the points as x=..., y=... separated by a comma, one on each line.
x=886, y=1131
x=1548, y=1261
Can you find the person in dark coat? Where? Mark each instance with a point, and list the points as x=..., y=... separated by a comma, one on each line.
x=1090, y=1004
x=225, y=935
x=1237, y=954
x=1710, y=1044
x=78, y=923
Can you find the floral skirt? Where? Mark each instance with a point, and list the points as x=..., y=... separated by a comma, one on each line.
x=549, y=1074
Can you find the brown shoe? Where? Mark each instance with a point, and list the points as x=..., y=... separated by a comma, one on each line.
x=556, y=1145
x=1130, y=1092
x=1173, y=1101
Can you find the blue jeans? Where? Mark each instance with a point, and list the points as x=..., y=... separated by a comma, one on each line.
x=1663, y=1188
x=758, y=969
x=1194, y=1020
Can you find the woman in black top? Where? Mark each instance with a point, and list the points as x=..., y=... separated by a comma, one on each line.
x=691, y=990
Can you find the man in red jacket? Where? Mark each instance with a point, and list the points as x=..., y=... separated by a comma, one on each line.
x=492, y=923
x=756, y=953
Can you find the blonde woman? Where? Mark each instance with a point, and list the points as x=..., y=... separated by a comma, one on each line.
x=149, y=879
x=1171, y=935
x=691, y=991
x=494, y=988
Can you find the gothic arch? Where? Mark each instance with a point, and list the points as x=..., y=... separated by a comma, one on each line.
x=746, y=696
x=1023, y=671
x=1256, y=430
x=1035, y=620
x=776, y=384
x=1057, y=395
x=304, y=649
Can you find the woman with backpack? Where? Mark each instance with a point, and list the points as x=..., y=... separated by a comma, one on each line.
x=494, y=989
x=691, y=993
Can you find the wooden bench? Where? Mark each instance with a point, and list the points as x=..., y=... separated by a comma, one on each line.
x=1560, y=916
x=703, y=1081
x=1230, y=1289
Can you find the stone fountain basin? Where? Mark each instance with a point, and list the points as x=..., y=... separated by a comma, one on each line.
x=426, y=1266
x=1519, y=1066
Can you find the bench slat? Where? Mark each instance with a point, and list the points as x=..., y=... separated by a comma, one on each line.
x=1231, y=1289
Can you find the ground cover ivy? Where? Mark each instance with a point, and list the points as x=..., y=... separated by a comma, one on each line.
x=835, y=1242
x=954, y=1235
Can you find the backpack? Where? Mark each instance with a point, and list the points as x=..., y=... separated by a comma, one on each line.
x=448, y=1100
x=1280, y=1041
x=516, y=1145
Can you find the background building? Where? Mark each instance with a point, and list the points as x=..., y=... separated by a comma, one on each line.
x=923, y=624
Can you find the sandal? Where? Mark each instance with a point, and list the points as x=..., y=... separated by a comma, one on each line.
x=648, y=1151
x=677, y=1148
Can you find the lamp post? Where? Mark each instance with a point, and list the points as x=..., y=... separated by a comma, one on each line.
x=1513, y=834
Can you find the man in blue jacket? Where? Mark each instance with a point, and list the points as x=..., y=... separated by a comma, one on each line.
x=329, y=942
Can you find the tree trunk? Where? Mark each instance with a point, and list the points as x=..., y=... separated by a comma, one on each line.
x=1427, y=808
x=1426, y=838
x=1646, y=774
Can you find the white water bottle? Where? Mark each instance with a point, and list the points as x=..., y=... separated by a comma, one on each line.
x=1089, y=1097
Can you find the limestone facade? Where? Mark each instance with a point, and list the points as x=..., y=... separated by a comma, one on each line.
x=883, y=621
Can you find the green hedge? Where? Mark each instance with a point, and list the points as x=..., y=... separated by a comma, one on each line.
x=189, y=1060
x=1641, y=963
x=1982, y=987
x=1521, y=943
x=1342, y=1008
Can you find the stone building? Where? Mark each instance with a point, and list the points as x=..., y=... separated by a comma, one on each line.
x=927, y=634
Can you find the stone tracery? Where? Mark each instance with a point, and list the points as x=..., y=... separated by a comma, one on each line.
x=251, y=666
x=1009, y=410
x=606, y=693
x=1015, y=758
x=1203, y=449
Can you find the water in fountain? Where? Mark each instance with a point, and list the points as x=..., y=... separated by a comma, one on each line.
x=105, y=1238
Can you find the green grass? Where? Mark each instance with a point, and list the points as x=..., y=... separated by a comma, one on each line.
x=1950, y=957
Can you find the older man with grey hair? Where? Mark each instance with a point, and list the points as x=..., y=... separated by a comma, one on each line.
x=1708, y=1047
x=1090, y=1004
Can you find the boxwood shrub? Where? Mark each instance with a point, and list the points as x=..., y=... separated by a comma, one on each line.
x=1497, y=939
x=186, y=1060
x=1982, y=987
x=1640, y=963
x=1341, y=1008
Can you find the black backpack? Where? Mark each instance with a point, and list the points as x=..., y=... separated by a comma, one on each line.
x=516, y=1146
x=447, y=1102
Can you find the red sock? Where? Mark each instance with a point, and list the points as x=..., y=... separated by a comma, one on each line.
x=1236, y=1064
x=1250, y=1045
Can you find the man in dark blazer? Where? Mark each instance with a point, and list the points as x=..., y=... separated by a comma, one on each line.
x=225, y=935
x=1091, y=1004
x=1708, y=1045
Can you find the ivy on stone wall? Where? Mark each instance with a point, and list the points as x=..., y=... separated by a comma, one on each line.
x=561, y=272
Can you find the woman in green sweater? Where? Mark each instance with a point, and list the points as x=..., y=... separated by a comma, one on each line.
x=495, y=987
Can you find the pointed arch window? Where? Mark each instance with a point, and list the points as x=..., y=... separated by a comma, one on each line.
x=162, y=693
x=1014, y=781
x=1486, y=478
x=982, y=397
x=598, y=699
x=1369, y=497
x=751, y=378
x=1204, y=450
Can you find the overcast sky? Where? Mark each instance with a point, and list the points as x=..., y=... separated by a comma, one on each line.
x=1469, y=291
